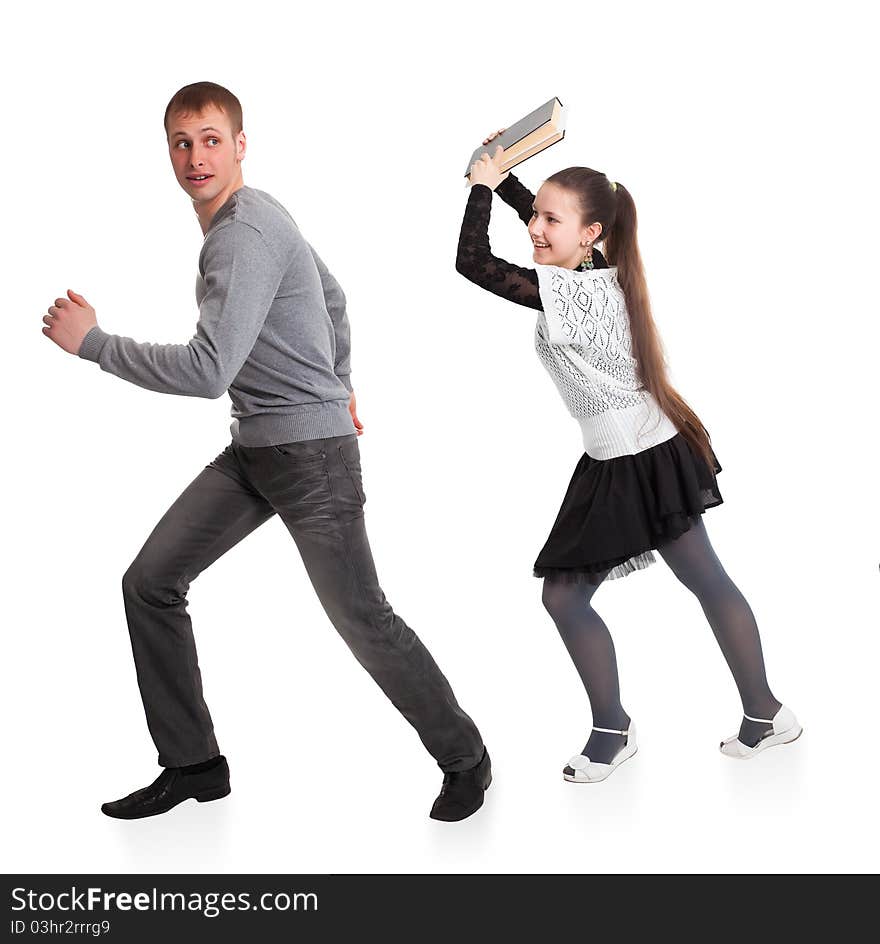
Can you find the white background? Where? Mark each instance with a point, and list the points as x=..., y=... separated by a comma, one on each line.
x=743, y=135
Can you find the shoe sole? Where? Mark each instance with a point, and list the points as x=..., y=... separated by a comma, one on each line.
x=773, y=741
x=569, y=779
x=205, y=797
x=217, y=794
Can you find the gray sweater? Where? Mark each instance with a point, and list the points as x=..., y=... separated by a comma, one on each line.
x=272, y=330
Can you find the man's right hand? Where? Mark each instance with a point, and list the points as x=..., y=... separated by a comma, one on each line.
x=68, y=322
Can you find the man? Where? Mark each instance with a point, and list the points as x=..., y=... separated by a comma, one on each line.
x=273, y=332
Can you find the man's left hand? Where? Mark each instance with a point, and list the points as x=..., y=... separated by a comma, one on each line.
x=352, y=408
x=69, y=321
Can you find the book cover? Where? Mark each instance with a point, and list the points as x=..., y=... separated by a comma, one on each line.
x=527, y=137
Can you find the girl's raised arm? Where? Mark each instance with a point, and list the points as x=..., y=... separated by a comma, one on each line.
x=514, y=194
x=477, y=264
x=511, y=191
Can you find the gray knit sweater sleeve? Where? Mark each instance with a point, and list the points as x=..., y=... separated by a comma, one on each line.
x=242, y=273
x=335, y=301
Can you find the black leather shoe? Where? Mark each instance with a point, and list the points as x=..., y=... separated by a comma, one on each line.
x=172, y=786
x=462, y=791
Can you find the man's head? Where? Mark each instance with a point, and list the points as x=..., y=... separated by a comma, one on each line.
x=203, y=126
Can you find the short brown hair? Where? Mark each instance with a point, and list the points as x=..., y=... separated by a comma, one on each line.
x=195, y=98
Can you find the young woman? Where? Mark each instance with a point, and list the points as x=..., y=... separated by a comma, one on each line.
x=648, y=470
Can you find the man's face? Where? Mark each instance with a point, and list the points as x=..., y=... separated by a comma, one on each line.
x=202, y=145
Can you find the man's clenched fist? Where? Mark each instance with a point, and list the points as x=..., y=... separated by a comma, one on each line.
x=69, y=321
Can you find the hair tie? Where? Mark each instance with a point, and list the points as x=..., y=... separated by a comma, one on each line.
x=614, y=186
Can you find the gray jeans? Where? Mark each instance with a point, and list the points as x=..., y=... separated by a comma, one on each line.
x=315, y=487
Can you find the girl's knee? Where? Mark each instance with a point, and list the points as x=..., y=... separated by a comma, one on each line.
x=702, y=581
x=558, y=596
x=549, y=596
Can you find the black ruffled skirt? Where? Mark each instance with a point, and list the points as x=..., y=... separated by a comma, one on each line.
x=616, y=511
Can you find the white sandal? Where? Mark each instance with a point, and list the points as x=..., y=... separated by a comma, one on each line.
x=785, y=728
x=588, y=771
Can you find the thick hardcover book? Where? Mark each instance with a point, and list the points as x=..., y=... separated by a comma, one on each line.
x=530, y=135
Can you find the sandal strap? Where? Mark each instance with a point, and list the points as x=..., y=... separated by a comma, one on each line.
x=610, y=730
x=764, y=720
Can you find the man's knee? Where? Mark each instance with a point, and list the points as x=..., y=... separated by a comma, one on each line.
x=149, y=584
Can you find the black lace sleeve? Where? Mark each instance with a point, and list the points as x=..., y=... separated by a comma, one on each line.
x=476, y=262
x=514, y=194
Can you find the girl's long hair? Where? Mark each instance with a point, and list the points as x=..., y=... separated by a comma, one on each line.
x=615, y=210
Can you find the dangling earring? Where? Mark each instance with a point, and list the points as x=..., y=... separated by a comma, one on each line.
x=588, y=259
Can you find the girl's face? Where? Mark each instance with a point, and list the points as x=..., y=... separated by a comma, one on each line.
x=558, y=235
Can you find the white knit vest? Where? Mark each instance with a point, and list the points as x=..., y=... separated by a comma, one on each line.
x=583, y=339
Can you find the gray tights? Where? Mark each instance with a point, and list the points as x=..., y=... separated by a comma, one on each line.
x=591, y=648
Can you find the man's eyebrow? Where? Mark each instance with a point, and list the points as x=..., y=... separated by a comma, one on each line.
x=178, y=133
